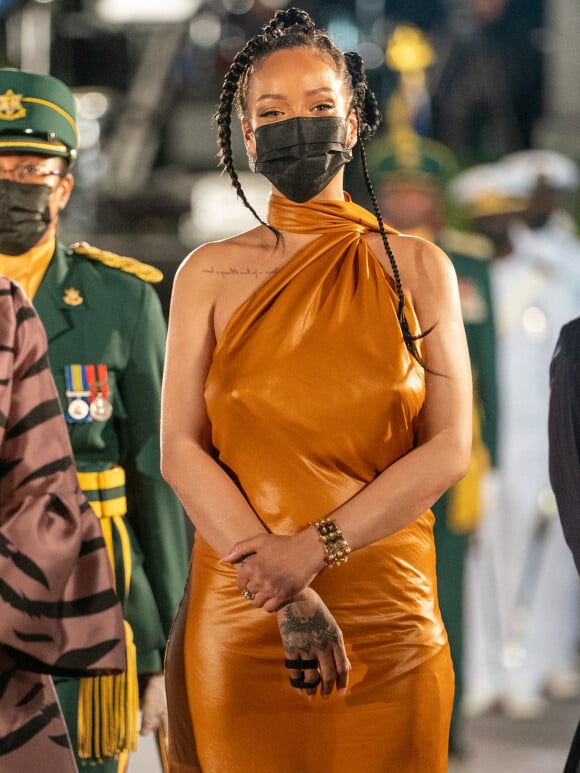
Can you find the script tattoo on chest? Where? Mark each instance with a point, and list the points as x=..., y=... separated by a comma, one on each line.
x=306, y=633
x=240, y=272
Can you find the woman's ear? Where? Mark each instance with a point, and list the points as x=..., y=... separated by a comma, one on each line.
x=249, y=138
x=351, y=129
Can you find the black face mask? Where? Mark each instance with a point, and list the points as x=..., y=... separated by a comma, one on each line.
x=24, y=215
x=301, y=156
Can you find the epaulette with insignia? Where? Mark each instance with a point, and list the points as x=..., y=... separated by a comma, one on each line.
x=473, y=245
x=129, y=265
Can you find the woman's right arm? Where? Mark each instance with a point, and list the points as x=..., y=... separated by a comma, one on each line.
x=213, y=502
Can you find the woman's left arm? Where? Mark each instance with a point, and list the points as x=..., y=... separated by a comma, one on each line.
x=409, y=486
x=440, y=458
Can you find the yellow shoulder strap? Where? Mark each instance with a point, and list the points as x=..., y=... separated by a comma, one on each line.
x=133, y=266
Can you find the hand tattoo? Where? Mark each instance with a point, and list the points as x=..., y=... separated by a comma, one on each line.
x=305, y=633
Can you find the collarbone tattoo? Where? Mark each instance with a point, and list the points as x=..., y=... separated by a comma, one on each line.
x=239, y=272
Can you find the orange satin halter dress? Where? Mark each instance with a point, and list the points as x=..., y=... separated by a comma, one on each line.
x=311, y=394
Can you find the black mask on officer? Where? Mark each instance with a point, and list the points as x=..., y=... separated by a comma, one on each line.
x=24, y=215
x=300, y=156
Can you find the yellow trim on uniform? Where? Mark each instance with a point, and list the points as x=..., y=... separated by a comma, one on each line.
x=95, y=486
x=108, y=705
x=144, y=271
x=108, y=711
x=107, y=529
x=111, y=509
x=489, y=204
x=465, y=498
x=105, y=479
x=56, y=108
x=468, y=243
x=58, y=147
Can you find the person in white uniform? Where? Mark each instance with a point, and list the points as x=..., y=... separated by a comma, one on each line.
x=523, y=589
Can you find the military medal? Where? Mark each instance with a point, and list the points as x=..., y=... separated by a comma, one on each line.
x=87, y=391
x=77, y=410
x=98, y=382
x=100, y=408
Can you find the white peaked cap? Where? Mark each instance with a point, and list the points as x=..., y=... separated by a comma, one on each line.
x=559, y=171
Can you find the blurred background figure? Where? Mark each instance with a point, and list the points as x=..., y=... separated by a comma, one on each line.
x=523, y=625
x=548, y=232
x=410, y=175
x=409, y=54
x=487, y=90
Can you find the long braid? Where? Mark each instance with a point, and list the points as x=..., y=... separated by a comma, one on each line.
x=408, y=337
x=369, y=116
x=223, y=119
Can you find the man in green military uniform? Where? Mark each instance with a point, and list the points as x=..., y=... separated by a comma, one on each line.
x=411, y=174
x=106, y=335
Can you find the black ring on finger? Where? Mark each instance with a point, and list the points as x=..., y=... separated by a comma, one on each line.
x=300, y=665
x=300, y=684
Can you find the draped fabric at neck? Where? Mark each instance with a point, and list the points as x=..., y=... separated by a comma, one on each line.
x=340, y=247
x=321, y=216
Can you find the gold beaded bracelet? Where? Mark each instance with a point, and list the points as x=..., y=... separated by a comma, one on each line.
x=337, y=548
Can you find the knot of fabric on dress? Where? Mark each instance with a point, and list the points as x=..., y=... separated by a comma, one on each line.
x=318, y=217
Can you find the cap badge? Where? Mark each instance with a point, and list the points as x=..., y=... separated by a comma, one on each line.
x=11, y=106
x=73, y=297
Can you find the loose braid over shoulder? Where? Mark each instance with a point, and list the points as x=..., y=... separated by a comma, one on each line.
x=291, y=28
x=369, y=115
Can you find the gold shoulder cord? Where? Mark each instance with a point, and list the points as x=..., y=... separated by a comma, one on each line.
x=133, y=266
x=109, y=705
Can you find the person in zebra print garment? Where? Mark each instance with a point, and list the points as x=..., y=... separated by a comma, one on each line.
x=59, y=613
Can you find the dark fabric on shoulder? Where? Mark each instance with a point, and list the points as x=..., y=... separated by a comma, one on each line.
x=564, y=432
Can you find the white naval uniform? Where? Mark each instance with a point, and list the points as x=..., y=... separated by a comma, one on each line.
x=524, y=595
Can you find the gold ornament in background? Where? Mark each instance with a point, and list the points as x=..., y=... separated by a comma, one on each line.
x=408, y=50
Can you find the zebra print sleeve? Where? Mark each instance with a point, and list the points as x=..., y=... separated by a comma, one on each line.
x=58, y=611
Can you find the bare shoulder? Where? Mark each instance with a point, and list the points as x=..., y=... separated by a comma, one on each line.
x=214, y=258
x=207, y=265
x=424, y=268
x=217, y=277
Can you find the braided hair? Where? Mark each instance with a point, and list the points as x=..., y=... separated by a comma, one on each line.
x=293, y=28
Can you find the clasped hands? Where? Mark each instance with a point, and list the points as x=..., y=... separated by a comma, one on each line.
x=275, y=568
x=274, y=574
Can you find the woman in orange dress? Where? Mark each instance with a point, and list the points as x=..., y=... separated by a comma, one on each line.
x=317, y=401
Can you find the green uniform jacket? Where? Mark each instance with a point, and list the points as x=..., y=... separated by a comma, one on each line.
x=119, y=323
x=471, y=255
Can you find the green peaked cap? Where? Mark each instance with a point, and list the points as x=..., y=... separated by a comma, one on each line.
x=405, y=157
x=37, y=115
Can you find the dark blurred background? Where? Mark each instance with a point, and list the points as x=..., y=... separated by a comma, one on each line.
x=500, y=75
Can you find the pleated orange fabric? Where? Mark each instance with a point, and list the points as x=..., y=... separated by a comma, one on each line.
x=311, y=394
